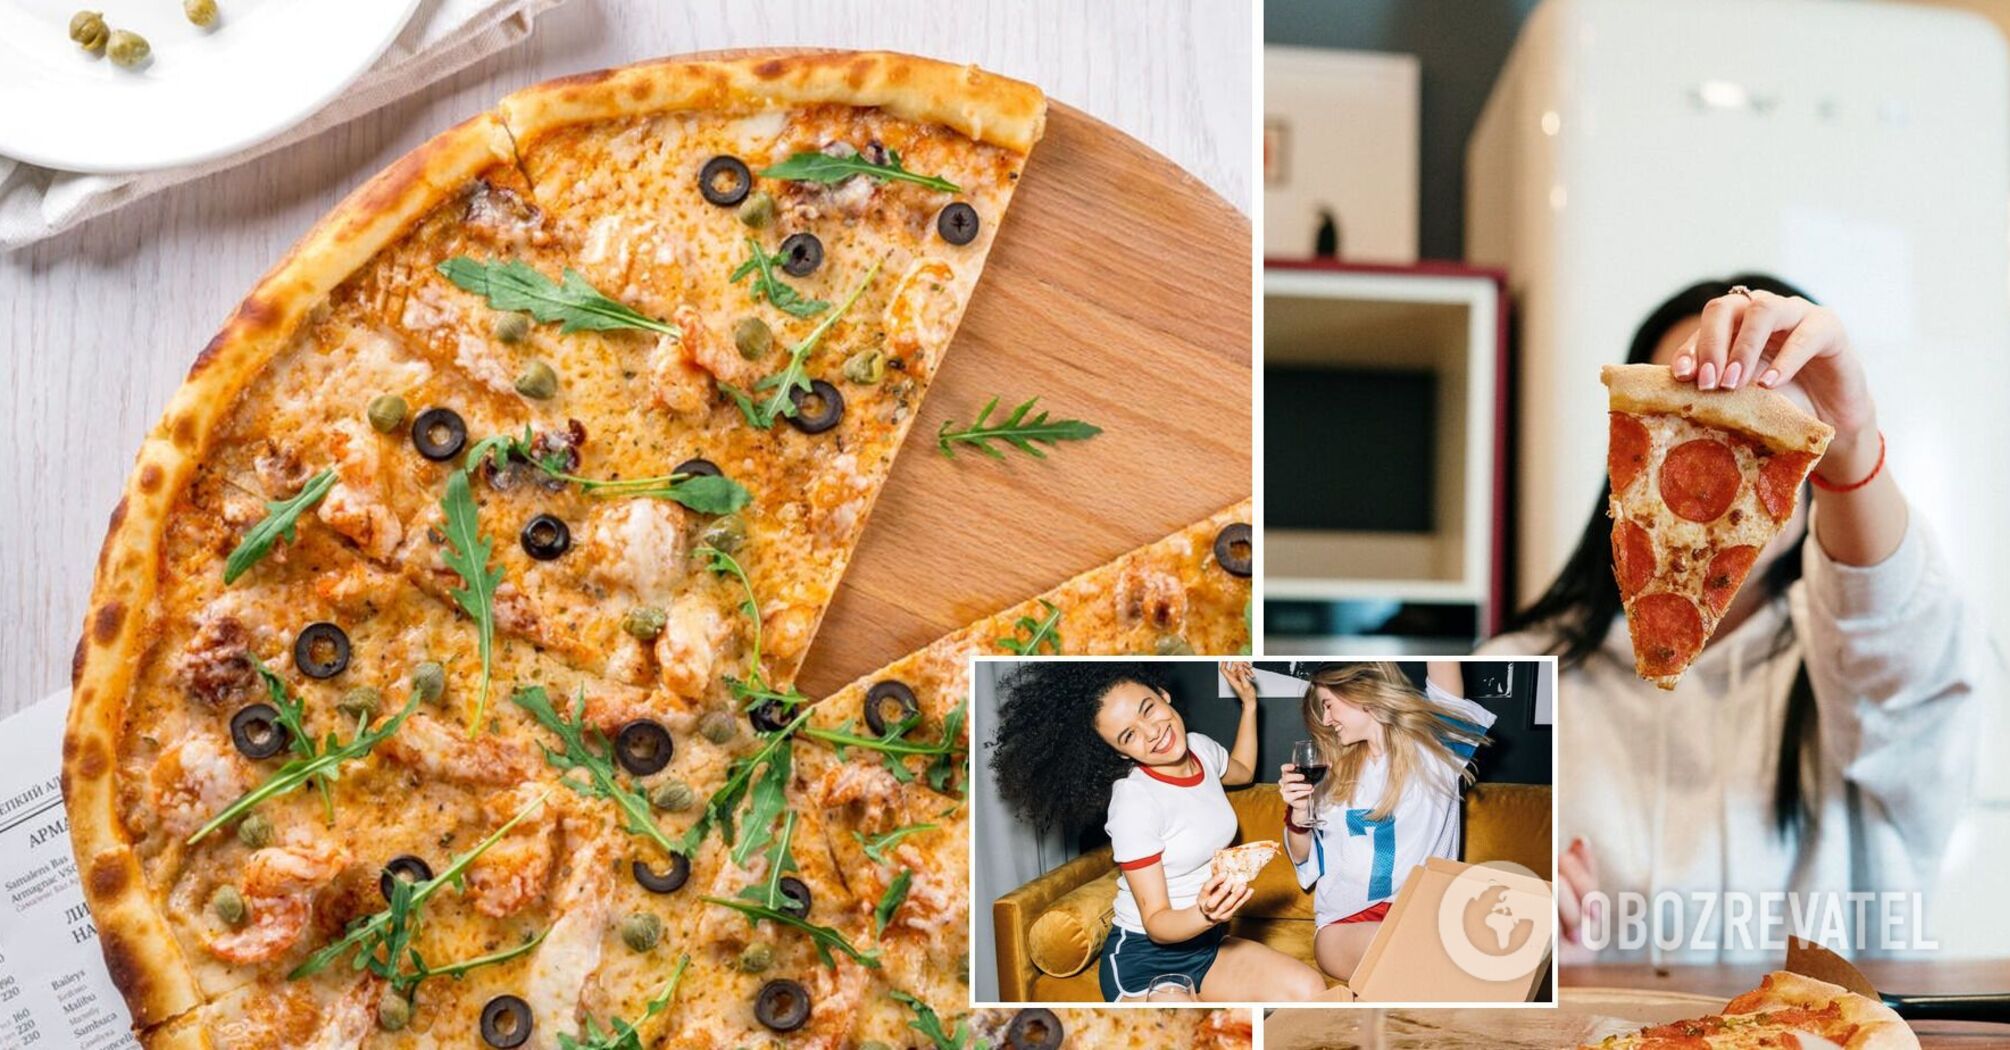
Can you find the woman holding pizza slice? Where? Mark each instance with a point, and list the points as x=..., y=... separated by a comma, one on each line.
x=1388, y=798
x=1821, y=741
x=1081, y=741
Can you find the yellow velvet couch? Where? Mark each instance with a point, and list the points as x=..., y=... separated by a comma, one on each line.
x=1502, y=822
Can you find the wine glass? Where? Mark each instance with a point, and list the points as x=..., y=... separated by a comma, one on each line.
x=1171, y=988
x=1311, y=764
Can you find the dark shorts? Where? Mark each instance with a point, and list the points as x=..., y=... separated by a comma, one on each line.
x=1131, y=960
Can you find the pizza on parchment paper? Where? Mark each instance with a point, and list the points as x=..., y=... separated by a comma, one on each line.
x=435, y=689
x=1772, y=1015
x=1702, y=480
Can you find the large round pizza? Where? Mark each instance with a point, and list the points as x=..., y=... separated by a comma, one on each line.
x=437, y=688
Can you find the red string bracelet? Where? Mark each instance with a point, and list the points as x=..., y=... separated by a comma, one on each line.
x=1827, y=486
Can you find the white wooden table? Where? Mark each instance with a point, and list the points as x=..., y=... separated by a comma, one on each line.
x=98, y=325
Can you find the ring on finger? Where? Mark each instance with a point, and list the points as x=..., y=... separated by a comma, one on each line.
x=1739, y=289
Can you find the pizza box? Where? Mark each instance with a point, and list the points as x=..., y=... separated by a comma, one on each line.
x=1461, y=933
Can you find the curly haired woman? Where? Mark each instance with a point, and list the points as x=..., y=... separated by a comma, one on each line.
x=1078, y=741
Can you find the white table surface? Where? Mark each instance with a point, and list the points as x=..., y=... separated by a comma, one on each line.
x=98, y=325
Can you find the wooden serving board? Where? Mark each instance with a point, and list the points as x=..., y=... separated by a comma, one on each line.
x=1583, y=1015
x=1119, y=291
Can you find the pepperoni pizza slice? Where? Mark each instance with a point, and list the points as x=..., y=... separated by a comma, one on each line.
x=1778, y=1013
x=1702, y=480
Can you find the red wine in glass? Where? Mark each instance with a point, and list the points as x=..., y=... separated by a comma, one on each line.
x=1313, y=774
x=1311, y=764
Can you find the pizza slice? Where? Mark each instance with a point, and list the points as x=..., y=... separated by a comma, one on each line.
x=1702, y=480
x=1240, y=864
x=1144, y=1028
x=1784, y=1007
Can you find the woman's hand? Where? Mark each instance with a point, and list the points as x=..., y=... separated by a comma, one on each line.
x=1297, y=793
x=1577, y=875
x=1786, y=342
x=1241, y=678
x=1220, y=899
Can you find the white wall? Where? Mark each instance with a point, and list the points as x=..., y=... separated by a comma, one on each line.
x=1350, y=143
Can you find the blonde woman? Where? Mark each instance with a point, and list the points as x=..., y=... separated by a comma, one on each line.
x=1396, y=759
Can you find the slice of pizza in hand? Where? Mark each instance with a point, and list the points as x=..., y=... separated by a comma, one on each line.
x=1785, y=1007
x=1702, y=480
x=1240, y=864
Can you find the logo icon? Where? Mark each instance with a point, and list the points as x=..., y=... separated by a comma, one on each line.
x=1495, y=928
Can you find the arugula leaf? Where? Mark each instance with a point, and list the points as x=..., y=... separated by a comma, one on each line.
x=720, y=807
x=514, y=285
x=767, y=286
x=598, y=764
x=704, y=493
x=390, y=931
x=753, y=690
x=467, y=553
x=780, y=862
x=303, y=770
x=791, y=378
x=877, y=847
x=929, y=1025
x=1042, y=633
x=621, y=1035
x=1015, y=430
x=942, y=752
x=824, y=937
x=896, y=892
x=811, y=166
x=290, y=712
x=276, y=525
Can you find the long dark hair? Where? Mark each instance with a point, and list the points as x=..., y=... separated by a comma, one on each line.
x=1582, y=601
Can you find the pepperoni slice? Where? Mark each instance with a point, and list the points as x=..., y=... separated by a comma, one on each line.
x=1727, y=573
x=1779, y=482
x=1633, y=562
x=1667, y=633
x=1700, y=478
x=1626, y=451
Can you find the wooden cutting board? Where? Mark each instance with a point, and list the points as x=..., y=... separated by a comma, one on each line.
x=1119, y=291
x=1583, y=1015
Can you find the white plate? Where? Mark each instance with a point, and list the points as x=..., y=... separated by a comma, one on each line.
x=264, y=66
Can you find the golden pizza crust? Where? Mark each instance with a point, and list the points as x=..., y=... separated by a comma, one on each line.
x=983, y=106
x=145, y=961
x=1753, y=410
x=1878, y=1026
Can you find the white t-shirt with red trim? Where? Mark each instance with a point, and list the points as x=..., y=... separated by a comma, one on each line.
x=1177, y=822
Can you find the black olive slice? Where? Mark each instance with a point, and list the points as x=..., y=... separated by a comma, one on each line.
x=1233, y=550
x=725, y=180
x=957, y=223
x=643, y=747
x=797, y=896
x=439, y=434
x=666, y=882
x=506, y=1022
x=257, y=731
x=545, y=537
x=770, y=716
x=782, y=1005
x=885, y=695
x=801, y=254
x=699, y=468
x=403, y=866
x=321, y=650
x=1035, y=1029
x=817, y=410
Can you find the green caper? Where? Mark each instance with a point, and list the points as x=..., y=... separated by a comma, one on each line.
x=360, y=702
x=718, y=726
x=645, y=622
x=429, y=680
x=756, y=957
x=228, y=904
x=127, y=48
x=201, y=12
x=386, y=411
x=255, y=831
x=1173, y=645
x=512, y=328
x=726, y=533
x=537, y=382
x=394, y=1012
x=641, y=931
x=753, y=336
x=672, y=795
x=758, y=209
x=865, y=367
x=87, y=28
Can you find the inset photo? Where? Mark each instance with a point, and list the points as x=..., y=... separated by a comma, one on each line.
x=1188, y=829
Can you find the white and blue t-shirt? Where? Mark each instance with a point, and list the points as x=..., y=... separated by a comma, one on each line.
x=1179, y=822
x=1356, y=863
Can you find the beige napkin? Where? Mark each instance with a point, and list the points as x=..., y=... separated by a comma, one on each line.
x=442, y=38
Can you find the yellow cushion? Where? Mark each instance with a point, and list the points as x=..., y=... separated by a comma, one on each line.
x=1067, y=936
x=1259, y=816
x=1509, y=822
